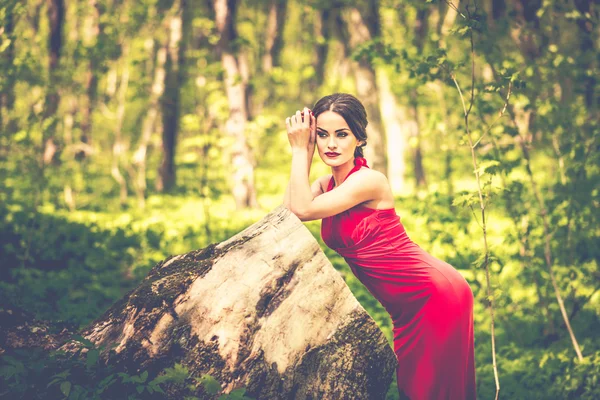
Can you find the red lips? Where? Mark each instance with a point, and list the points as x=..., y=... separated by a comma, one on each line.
x=332, y=154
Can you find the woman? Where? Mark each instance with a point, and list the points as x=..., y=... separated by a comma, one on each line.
x=430, y=303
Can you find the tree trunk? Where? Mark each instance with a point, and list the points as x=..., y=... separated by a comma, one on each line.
x=421, y=28
x=92, y=36
x=274, y=35
x=69, y=163
x=264, y=310
x=322, y=38
x=243, y=191
x=119, y=145
x=394, y=118
x=362, y=26
x=56, y=16
x=171, y=98
x=7, y=97
x=139, y=157
x=419, y=171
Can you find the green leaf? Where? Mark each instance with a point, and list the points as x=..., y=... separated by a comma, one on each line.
x=53, y=381
x=211, y=385
x=466, y=199
x=92, y=358
x=139, y=388
x=237, y=394
x=157, y=389
x=65, y=388
x=84, y=341
x=490, y=167
x=63, y=374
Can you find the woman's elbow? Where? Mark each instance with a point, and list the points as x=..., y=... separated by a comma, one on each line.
x=305, y=217
x=302, y=216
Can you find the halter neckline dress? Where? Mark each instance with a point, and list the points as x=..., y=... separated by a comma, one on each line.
x=429, y=301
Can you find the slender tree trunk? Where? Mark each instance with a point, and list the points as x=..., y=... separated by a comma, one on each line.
x=56, y=16
x=244, y=67
x=362, y=26
x=139, y=158
x=590, y=53
x=240, y=154
x=323, y=37
x=119, y=145
x=419, y=171
x=92, y=36
x=420, y=31
x=394, y=118
x=69, y=119
x=7, y=97
x=171, y=98
x=270, y=57
x=341, y=62
x=446, y=16
x=274, y=34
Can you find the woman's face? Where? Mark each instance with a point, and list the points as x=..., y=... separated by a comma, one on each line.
x=343, y=142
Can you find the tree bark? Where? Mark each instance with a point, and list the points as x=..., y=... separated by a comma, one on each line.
x=140, y=155
x=419, y=171
x=322, y=29
x=56, y=17
x=264, y=310
x=92, y=37
x=241, y=158
x=120, y=146
x=341, y=61
x=274, y=35
x=394, y=118
x=7, y=96
x=421, y=28
x=362, y=26
x=171, y=98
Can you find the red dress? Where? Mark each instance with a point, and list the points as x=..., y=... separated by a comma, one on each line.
x=430, y=303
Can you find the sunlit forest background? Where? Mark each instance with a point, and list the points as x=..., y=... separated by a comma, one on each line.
x=135, y=130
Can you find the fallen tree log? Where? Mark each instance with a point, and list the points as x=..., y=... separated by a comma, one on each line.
x=264, y=310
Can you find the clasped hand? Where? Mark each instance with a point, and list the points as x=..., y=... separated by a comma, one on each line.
x=302, y=131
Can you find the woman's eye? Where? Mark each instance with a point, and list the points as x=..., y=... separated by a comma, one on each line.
x=343, y=134
x=321, y=134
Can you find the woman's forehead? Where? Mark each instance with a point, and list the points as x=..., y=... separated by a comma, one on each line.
x=331, y=120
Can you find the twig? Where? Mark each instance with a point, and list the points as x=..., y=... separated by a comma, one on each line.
x=481, y=201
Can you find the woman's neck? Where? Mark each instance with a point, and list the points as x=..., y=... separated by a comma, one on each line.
x=341, y=172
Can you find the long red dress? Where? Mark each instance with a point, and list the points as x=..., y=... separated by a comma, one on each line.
x=430, y=303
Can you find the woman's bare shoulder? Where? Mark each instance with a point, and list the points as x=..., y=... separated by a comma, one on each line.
x=385, y=198
x=368, y=173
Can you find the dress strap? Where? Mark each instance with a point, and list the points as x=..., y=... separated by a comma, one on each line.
x=358, y=163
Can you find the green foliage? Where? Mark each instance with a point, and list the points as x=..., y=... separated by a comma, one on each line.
x=73, y=267
x=27, y=374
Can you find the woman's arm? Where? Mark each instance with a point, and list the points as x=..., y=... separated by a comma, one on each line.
x=315, y=188
x=358, y=188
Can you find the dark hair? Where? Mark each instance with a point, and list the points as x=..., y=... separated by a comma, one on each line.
x=353, y=112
